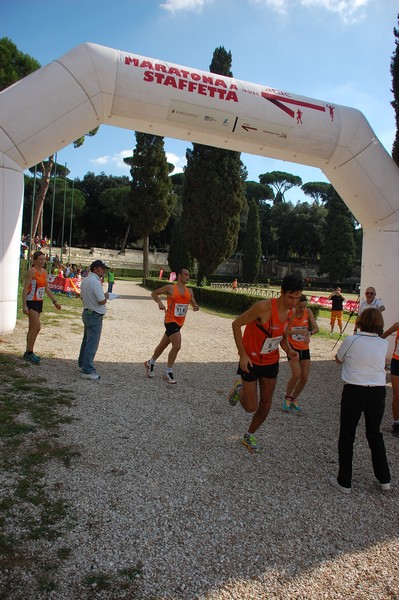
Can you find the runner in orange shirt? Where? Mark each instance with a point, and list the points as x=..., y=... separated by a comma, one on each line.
x=179, y=296
x=32, y=302
x=301, y=326
x=265, y=323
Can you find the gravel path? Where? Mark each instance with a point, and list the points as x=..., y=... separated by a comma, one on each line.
x=164, y=482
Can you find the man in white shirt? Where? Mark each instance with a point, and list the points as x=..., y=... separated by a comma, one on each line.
x=94, y=301
x=371, y=301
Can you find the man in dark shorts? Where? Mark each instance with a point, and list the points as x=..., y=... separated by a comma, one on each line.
x=265, y=323
x=179, y=296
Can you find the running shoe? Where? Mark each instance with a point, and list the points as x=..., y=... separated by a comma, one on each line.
x=395, y=429
x=234, y=394
x=295, y=405
x=149, y=369
x=91, y=376
x=168, y=377
x=250, y=442
x=345, y=490
x=33, y=358
x=287, y=404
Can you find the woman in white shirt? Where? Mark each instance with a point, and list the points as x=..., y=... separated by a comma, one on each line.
x=362, y=357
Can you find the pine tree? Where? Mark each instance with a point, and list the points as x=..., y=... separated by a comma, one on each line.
x=395, y=91
x=252, y=248
x=152, y=199
x=214, y=195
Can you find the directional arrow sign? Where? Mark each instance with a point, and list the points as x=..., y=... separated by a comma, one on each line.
x=279, y=100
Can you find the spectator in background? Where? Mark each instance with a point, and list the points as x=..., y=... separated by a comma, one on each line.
x=337, y=303
x=371, y=301
x=234, y=285
x=111, y=280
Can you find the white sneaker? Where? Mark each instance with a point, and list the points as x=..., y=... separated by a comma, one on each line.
x=333, y=481
x=168, y=377
x=149, y=369
x=385, y=487
x=91, y=376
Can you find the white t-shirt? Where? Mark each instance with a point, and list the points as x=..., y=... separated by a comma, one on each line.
x=92, y=293
x=376, y=303
x=363, y=356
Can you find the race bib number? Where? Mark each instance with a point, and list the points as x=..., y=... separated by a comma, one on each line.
x=298, y=336
x=180, y=310
x=271, y=344
x=40, y=293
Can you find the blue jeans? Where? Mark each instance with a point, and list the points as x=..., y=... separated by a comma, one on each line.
x=93, y=324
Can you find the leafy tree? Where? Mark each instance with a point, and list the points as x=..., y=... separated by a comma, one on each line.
x=395, y=91
x=14, y=64
x=339, y=252
x=115, y=204
x=94, y=223
x=318, y=190
x=213, y=195
x=280, y=182
x=152, y=198
x=252, y=250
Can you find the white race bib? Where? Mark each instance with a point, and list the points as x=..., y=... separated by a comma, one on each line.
x=40, y=293
x=180, y=310
x=298, y=336
x=271, y=344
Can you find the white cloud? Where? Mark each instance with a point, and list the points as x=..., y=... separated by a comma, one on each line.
x=193, y=5
x=178, y=161
x=348, y=10
x=116, y=160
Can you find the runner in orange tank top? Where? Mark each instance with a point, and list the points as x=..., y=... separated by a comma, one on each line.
x=32, y=302
x=265, y=323
x=394, y=377
x=300, y=327
x=179, y=296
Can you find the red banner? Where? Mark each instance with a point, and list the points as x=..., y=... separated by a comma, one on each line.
x=68, y=285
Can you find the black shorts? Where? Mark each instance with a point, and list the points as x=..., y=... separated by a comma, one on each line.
x=36, y=305
x=394, y=366
x=257, y=371
x=171, y=328
x=303, y=354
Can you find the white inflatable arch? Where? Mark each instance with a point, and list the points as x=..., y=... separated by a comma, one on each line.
x=93, y=85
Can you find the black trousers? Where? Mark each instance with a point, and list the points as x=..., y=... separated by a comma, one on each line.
x=371, y=401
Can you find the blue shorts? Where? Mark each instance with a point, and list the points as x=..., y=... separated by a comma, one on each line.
x=258, y=371
x=171, y=328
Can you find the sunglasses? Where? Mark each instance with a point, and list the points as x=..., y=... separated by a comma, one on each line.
x=370, y=294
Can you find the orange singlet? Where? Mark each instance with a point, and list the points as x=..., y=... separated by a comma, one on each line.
x=395, y=354
x=296, y=339
x=37, y=286
x=261, y=342
x=177, y=306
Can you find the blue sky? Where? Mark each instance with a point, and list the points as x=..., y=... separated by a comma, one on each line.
x=335, y=50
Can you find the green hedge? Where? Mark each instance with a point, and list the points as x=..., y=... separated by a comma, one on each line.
x=235, y=302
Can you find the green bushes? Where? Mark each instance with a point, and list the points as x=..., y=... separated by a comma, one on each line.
x=220, y=299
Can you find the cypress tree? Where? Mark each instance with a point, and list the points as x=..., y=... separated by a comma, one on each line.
x=252, y=248
x=213, y=195
x=395, y=91
x=152, y=199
